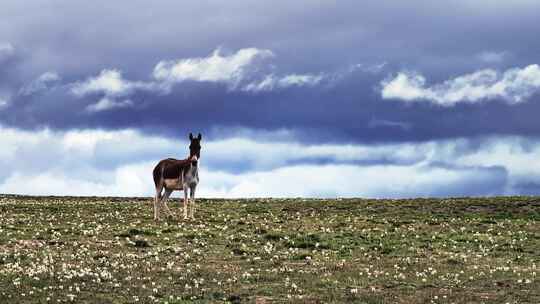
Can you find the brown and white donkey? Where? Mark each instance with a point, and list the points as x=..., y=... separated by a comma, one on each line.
x=174, y=174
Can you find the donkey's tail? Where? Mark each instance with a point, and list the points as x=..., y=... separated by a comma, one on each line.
x=157, y=173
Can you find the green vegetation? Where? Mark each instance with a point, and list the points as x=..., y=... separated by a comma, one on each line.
x=109, y=250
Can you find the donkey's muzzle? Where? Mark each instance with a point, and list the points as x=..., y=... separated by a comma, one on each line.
x=194, y=160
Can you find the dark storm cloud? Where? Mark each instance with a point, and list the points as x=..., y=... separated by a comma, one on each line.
x=79, y=40
x=71, y=36
x=344, y=113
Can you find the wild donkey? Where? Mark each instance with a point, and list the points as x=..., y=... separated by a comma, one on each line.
x=173, y=174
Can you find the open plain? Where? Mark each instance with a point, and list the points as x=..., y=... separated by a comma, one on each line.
x=110, y=250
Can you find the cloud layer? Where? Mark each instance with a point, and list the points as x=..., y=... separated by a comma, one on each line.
x=271, y=82
x=287, y=96
x=514, y=86
x=120, y=163
x=6, y=50
x=44, y=82
x=214, y=68
x=321, y=78
x=243, y=70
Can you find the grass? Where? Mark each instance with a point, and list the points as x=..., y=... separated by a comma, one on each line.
x=109, y=250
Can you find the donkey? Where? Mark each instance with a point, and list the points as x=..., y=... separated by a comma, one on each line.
x=173, y=174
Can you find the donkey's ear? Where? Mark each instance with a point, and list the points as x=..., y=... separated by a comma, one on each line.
x=190, y=136
x=199, y=137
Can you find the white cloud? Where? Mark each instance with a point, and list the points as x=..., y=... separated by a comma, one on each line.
x=43, y=82
x=48, y=77
x=4, y=101
x=271, y=82
x=214, y=68
x=243, y=70
x=110, y=82
x=376, y=123
x=268, y=155
x=237, y=70
x=266, y=84
x=129, y=180
x=299, y=80
x=369, y=68
x=107, y=103
x=406, y=86
x=85, y=162
x=86, y=141
x=516, y=153
x=92, y=162
x=388, y=181
x=514, y=86
x=113, y=86
x=492, y=57
x=6, y=50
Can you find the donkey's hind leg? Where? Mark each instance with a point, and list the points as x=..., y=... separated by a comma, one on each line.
x=164, y=201
x=157, y=202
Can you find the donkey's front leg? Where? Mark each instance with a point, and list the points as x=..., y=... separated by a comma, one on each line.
x=185, y=203
x=192, y=203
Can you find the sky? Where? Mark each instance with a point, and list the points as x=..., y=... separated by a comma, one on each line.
x=378, y=99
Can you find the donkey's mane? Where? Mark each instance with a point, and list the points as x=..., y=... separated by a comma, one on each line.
x=185, y=161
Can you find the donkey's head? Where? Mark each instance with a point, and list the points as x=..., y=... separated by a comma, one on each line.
x=195, y=146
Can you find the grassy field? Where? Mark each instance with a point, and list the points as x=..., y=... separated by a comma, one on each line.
x=109, y=250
